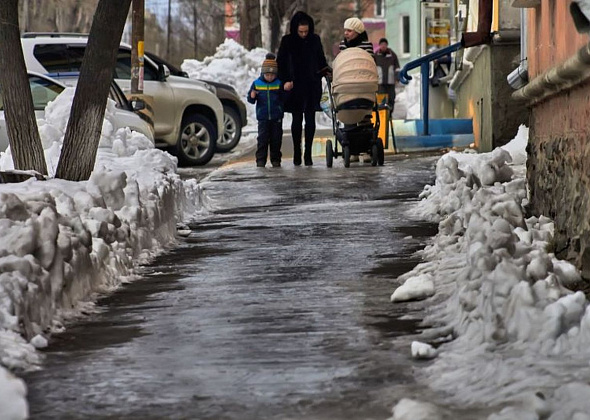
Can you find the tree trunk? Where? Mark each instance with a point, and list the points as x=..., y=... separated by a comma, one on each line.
x=21, y=124
x=250, y=36
x=84, y=126
x=195, y=31
x=265, y=25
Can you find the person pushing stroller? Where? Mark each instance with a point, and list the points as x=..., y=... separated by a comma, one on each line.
x=267, y=93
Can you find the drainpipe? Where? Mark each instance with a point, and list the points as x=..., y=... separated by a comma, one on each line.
x=484, y=26
x=565, y=76
x=519, y=77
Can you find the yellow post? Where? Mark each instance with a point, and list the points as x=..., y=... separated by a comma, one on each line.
x=383, y=134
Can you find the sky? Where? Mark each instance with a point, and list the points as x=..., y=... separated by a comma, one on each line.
x=505, y=329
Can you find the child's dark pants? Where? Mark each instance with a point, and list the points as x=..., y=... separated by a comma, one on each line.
x=270, y=132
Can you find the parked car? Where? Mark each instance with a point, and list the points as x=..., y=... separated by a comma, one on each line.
x=44, y=90
x=234, y=110
x=188, y=116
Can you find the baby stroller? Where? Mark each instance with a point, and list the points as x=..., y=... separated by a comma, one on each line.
x=352, y=102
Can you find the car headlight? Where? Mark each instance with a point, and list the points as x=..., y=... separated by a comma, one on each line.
x=210, y=88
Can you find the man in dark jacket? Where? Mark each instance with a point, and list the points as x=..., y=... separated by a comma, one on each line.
x=302, y=63
x=387, y=67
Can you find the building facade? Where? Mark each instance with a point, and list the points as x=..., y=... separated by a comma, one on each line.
x=558, y=164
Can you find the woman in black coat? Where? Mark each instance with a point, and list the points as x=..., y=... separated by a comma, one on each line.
x=302, y=63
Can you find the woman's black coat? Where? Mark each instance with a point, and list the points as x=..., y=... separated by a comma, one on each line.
x=301, y=61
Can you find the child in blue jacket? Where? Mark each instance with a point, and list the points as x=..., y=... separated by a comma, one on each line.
x=267, y=93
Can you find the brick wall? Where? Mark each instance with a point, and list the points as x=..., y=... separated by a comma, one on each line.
x=552, y=36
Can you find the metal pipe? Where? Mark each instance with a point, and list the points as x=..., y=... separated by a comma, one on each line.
x=571, y=73
x=424, y=70
x=524, y=33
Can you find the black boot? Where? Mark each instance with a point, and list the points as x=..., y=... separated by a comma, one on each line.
x=307, y=155
x=297, y=153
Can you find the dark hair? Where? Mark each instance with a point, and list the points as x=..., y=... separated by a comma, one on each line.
x=383, y=40
x=270, y=56
x=303, y=22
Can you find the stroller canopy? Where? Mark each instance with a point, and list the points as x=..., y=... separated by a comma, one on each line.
x=354, y=84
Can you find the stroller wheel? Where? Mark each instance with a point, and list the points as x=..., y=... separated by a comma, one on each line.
x=329, y=154
x=346, y=154
x=380, y=153
x=374, y=153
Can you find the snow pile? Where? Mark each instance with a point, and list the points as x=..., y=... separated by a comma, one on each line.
x=64, y=241
x=508, y=323
x=236, y=66
x=13, y=405
x=418, y=287
x=408, y=409
x=423, y=350
x=411, y=97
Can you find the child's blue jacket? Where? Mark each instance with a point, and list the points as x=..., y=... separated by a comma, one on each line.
x=269, y=101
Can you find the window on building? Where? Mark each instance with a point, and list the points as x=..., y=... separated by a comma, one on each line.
x=379, y=8
x=405, y=35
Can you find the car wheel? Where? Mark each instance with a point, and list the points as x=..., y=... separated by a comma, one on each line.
x=196, y=144
x=232, y=130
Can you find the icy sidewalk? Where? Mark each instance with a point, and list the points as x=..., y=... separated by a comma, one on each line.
x=63, y=242
x=510, y=335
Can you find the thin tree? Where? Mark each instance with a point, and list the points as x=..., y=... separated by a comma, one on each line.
x=250, y=35
x=84, y=126
x=23, y=134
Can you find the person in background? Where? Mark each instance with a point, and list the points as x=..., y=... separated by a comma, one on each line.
x=267, y=93
x=302, y=64
x=355, y=36
x=387, y=68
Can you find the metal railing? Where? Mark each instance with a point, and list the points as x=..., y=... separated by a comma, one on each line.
x=424, y=64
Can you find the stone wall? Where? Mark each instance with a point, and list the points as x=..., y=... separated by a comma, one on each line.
x=558, y=171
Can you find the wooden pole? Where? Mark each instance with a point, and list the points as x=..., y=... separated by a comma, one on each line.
x=137, y=46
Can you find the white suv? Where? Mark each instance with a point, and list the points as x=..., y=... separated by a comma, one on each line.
x=188, y=116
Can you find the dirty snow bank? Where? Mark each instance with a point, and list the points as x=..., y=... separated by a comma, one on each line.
x=513, y=336
x=64, y=241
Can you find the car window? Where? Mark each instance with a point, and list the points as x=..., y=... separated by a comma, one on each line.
x=54, y=57
x=117, y=95
x=173, y=69
x=123, y=68
x=75, y=56
x=60, y=58
x=63, y=58
x=43, y=91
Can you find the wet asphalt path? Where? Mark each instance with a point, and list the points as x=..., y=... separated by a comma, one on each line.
x=275, y=307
